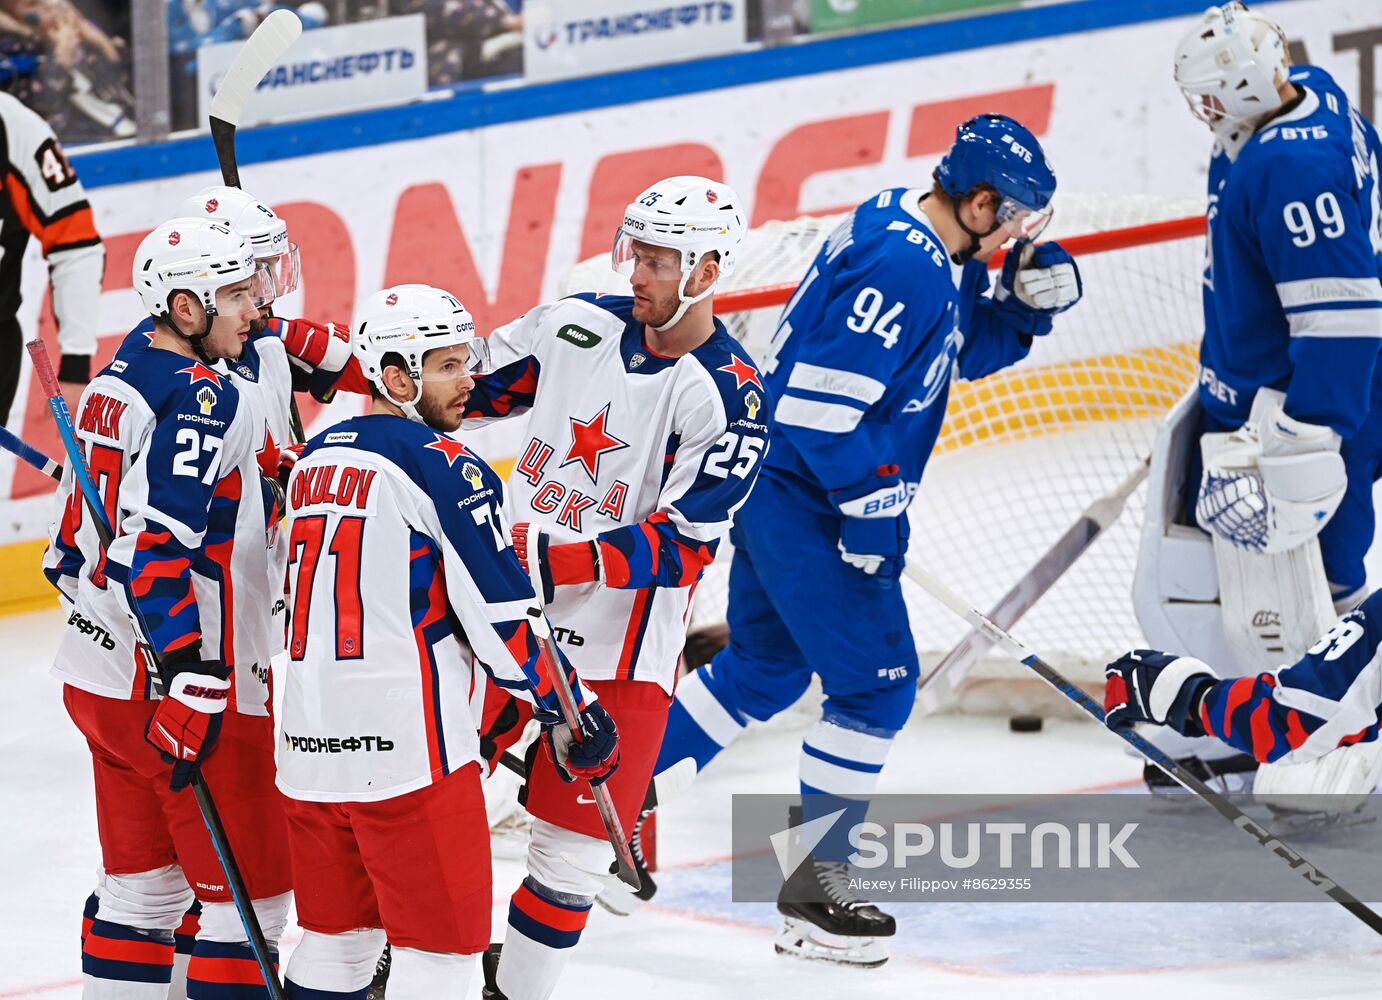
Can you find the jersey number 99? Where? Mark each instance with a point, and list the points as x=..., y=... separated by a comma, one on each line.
x=1301, y=223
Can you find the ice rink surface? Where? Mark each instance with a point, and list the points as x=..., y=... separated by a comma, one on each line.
x=692, y=942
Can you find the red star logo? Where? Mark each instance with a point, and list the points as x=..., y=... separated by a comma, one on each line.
x=743, y=372
x=449, y=447
x=590, y=440
x=200, y=373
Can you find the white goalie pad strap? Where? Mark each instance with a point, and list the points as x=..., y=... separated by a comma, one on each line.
x=1169, y=681
x=835, y=382
x=886, y=501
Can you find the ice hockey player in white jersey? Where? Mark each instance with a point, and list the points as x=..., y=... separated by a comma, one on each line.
x=406, y=592
x=1330, y=698
x=647, y=423
x=892, y=309
x=1293, y=330
x=280, y=356
x=171, y=450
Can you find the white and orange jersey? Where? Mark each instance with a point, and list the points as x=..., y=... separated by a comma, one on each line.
x=170, y=446
x=402, y=583
x=44, y=198
x=647, y=456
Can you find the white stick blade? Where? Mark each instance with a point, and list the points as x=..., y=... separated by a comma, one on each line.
x=274, y=36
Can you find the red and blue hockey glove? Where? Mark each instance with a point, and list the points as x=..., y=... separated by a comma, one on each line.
x=184, y=726
x=594, y=757
x=1038, y=282
x=551, y=566
x=874, y=527
x=1145, y=685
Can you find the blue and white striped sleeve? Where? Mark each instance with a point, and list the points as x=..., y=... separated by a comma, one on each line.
x=1318, y=250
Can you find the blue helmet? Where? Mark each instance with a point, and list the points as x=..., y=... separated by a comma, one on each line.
x=998, y=151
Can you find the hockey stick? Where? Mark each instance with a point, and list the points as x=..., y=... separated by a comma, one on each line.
x=946, y=676
x=43, y=368
x=29, y=454
x=603, y=802
x=274, y=36
x=1265, y=839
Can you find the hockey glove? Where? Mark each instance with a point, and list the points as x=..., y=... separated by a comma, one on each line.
x=1038, y=282
x=550, y=566
x=1149, y=686
x=1274, y=485
x=874, y=527
x=184, y=726
x=594, y=757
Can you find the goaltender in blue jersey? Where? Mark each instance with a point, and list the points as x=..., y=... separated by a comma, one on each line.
x=892, y=309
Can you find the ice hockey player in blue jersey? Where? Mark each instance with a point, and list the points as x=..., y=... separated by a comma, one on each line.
x=1293, y=329
x=892, y=308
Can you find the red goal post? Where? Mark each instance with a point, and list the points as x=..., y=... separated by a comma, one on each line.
x=1024, y=451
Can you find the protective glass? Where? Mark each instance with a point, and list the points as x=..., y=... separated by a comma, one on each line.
x=282, y=273
x=625, y=257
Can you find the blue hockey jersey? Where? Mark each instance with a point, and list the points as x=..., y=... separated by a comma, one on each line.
x=862, y=360
x=1292, y=299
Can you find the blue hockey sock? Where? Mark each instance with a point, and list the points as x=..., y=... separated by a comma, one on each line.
x=840, y=763
x=544, y=925
x=222, y=971
x=133, y=958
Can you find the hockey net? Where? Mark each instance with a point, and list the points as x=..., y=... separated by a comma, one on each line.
x=1025, y=451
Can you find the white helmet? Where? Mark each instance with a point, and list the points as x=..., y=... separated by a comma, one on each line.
x=258, y=223
x=693, y=215
x=192, y=255
x=409, y=321
x=1238, y=58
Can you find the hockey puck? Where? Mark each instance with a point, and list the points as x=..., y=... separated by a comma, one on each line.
x=1025, y=724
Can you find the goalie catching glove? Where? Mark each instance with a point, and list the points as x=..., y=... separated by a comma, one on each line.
x=184, y=726
x=874, y=528
x=594, y=757
x=1274, y=485
x=1146, y=685
x=1038, y=282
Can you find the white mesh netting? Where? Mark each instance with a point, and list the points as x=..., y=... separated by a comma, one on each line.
x=1025, y=451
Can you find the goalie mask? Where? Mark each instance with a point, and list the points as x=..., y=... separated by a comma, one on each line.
x=692, y=215
x=404, y=323
x=999, y=153
x=1229, y=67
x=267, y=233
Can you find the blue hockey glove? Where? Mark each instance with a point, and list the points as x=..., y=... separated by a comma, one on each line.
x=1038, y=282
x=1145, y=685
x=595, y=757
x=874, y=527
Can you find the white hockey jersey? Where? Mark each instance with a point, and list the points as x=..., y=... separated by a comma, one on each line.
x=170, y=448
x=402, y=579
x=648, y=456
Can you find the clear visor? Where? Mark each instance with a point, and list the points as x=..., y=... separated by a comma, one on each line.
x=262, y=286
x=625, y=257
x=281, y=272
x=1021, y=222
x=475, y=362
